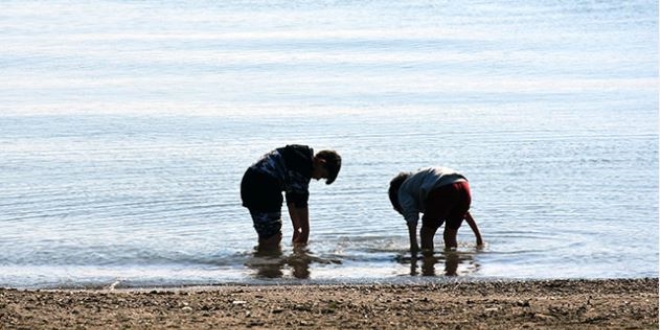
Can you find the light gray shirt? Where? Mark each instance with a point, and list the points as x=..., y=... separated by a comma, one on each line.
x=415, y=190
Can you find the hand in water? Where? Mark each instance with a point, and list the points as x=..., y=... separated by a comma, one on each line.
x=480, y=245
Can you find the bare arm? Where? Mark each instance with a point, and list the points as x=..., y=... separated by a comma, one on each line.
x=412, y=233
x=300, y=220
x=475, y=228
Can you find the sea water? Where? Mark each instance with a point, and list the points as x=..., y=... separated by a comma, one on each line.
x=125, y=128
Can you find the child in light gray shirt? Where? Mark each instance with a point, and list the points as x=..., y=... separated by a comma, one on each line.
x=442, y=195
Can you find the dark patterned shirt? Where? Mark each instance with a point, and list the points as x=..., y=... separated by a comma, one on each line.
x=291, y=167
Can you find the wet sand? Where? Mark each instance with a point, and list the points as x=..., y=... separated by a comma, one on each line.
x=554, y=304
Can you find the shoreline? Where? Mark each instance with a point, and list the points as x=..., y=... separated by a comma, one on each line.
x=464, y=304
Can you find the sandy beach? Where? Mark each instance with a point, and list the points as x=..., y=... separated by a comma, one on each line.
x=552, y=304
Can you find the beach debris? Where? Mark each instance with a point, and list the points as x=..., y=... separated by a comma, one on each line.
x=112, y=286
x=522, y=303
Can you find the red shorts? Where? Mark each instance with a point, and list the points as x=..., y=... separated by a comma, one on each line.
x=447, y=203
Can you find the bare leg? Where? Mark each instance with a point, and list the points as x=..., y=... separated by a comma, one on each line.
x=450, y=238
x=294, y=221
x=427, y=234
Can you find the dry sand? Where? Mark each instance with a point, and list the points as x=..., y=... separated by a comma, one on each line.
x=555, y=304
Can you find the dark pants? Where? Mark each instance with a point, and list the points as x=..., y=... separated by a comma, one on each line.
x=262, y=195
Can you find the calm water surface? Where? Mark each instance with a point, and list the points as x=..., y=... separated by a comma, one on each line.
x=125, y=128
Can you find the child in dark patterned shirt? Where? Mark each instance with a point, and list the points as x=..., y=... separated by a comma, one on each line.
x=288, y=169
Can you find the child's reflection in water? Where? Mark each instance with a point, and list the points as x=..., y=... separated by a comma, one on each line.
x=450, y=259
x=271, y=264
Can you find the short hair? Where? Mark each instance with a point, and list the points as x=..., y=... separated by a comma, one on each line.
x=332, y=164
x=395, y=184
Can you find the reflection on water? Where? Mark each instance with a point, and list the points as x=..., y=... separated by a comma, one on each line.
x=366, y=260
x=455, y=263
x=275, y=264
